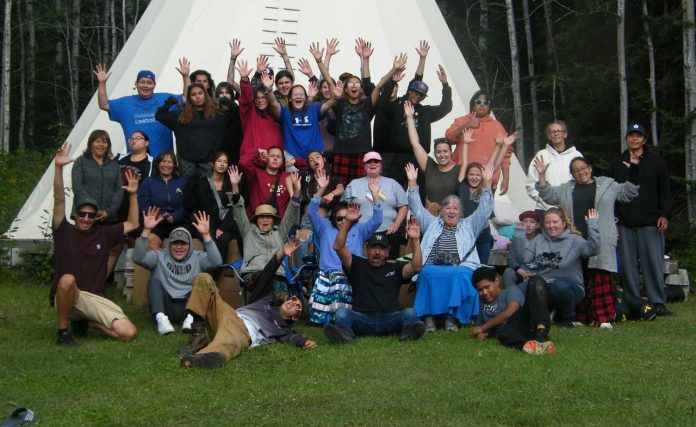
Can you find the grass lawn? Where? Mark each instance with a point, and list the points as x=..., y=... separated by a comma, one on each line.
x=637, y=374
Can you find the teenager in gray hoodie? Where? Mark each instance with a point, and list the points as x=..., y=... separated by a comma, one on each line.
x=555, y=256
x=173, y=269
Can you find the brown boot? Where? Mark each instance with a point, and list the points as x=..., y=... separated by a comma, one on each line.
x=198, y=339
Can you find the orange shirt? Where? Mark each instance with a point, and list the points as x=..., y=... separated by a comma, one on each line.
x=484, y=140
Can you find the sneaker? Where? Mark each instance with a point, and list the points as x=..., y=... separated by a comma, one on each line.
x=412, y=332
x=538, y=348
x=338, y=335
x=429, y=324
x=606, y=326
x=79, y=328
x=569, y=324
x=577, y=324
x=541, y=335
x=451, y=324
x=66, y=339
x=204, y=360
x=661, y=310
x=164, y=326
x=648, y=312
x=186, y=326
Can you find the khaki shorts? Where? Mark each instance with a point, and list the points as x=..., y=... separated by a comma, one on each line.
x=98, y=309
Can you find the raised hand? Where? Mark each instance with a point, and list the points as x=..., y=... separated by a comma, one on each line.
x=398, y=75
x=261, y=63
x=62, y=158
x=487, y=173
x=468, y=136
x=359, y=42
x=409, y=110
x=510, y=139
x=413, y=229
x=312, y=90
x=332, y=46
x=295, y=180
x=338, y=89
x=291, y=246
x=592, y=213
x=184, y=67
x=267, y=80
x=423, y=48
x=280, y=46
x=132, y=182
x=373, y=184
x=305, y=67
x=321, y=178
x=234, y=174
x=101, y=73
x=540, y=166
x=366, y=50
x=441, y=74
x=316, y=51
x=411, y=172
x=243, y=69
x=400, y=61
x=236, y=49
x=353, y=212
x=151, y=218
x=202, y=222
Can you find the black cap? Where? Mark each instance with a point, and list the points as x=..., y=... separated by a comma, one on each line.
x=378, y=239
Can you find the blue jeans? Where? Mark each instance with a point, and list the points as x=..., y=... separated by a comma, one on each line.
x=564, y=295
x=375, y=323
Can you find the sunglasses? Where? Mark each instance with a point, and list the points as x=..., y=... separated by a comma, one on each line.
x=340, y=218
x=85, y=214
x=353, y=85
x=482, y=101
x=373, y=161
x=298, y=307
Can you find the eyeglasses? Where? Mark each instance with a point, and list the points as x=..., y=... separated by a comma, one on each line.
x=353, y=84
x=298, y=307
x=136, y=138
x=340, y=218
x=85, y=214
x=557, y=131
x=482, y=101
x=372, y=161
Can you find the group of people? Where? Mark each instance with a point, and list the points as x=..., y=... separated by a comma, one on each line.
x=342, y=168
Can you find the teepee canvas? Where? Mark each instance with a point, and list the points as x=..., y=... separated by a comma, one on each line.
x=201, y=30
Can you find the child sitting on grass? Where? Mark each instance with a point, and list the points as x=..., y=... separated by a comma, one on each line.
x=520, y=322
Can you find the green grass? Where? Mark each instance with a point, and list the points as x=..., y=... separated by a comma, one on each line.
x=637, y=374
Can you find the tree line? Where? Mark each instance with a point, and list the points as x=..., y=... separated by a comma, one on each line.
x=596, y=64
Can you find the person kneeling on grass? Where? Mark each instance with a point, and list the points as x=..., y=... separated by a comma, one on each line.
x=520, y=322
x=80, y=265
x=264, y=320
x=376, y=284
x=174, y=269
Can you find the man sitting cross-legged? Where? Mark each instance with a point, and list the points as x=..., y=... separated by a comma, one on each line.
x=376, y=284
x=264, y=320
x=174, y=269
x=518, y=315
x=81, y=253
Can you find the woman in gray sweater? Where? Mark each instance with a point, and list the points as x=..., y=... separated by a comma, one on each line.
x=576, y=196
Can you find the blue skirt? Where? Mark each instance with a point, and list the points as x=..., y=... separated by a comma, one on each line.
x=446, y=290
x=331, y=291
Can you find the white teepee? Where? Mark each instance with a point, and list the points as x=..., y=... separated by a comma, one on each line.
x=201, y=30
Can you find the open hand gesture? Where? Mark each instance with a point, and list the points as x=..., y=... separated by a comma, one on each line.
x=62, y=158
x=510, y=139
x=441, y=74
x=304, y=67
x=353, y=212
x=280, y=46
x=236, y=49
x=234, y=174
x=332, y=46
x=316, y=51
x=184, y=67
x=592, y=213
x=366, y=49
x=151, y=218
x=468, y=136
x=321, y=178
x=261, y=63
x=101, y=73
x=132, y=182
x=291, y=246
x=413, y=229
x=409, y=110
x=338, y=89
x=267, y=80
x=244, y=70
x=398, y=75
x=312, y=90
x=373, y=184
x=400, y=61
x=295, y=180
x=540, y=166
x=487, y=173
x=423, y=48
x=202, y=222
x=411, y=172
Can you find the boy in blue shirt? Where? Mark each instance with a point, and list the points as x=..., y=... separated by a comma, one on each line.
x=519, y=321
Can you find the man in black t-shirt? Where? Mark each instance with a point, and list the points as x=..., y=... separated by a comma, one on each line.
x=376, y=284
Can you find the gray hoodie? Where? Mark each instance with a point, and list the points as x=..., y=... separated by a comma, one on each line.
x=176, y=277
x=559, y=257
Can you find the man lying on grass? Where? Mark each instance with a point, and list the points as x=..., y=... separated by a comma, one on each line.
x=264, y=320
x=174, y=269
x=520, y=322
x=81, y=253
x=376, y=284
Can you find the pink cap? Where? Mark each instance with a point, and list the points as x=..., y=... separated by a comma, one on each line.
x=371, y=155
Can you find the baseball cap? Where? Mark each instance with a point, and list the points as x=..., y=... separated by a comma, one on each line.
x=180, y=235
x=146, y=74
x=378, y=239
x=419, y=86
x=371, y=155
x=636, y=127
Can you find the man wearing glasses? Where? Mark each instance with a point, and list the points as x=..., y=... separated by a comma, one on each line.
x=80, y=265
x=485, y=131
x=264, y=320
x=558, y=154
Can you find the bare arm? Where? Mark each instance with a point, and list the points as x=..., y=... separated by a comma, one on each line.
x=464, y=153
x=422, y=50
x=352, y=217
x=270, y=96
x=399, y=65
x=331, y=50
x=281, y=49
x=102, y=75
x=61, y=160
x=416, y=264
x=133, y=220
x=418, y=150
x=184, y=69
x=235, y=51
